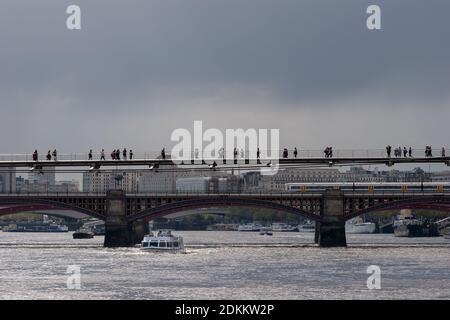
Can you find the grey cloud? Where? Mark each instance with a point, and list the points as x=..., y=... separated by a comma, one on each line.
x=136, y=66
x=302, y=49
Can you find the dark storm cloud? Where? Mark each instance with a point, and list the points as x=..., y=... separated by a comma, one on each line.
x=300, y=49
x=140, y=62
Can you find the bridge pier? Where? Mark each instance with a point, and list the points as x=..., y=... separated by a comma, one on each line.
x=317, y=232
x=116, y=224
x=331, y=230
x=137, y=230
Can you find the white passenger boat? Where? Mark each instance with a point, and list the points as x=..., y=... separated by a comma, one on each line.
x=164, y=240
x=358, y=226
x=249, y=227
x=283, y=227
x=307, y=227
x=36, y=227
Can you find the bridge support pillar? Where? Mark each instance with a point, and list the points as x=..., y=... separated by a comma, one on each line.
x=138, y=229
x=332, y=226
x=116, y=224
x=317, y=232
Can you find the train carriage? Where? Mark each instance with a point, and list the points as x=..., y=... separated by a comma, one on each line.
x=370, y=187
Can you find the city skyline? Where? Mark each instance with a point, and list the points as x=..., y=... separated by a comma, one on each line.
x=145, y=181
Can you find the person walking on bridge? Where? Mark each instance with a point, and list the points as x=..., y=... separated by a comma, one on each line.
x=55, y=155
x=410, y=152
x=405, y=152
x=443, y=152
x=113, y=154
x=90, y=155
x=428, y=152
x=118, y=154
x=295, y=152
x=131, y=154
x=49, y=155
x=124, y=153
x=35, y=155
x=102, y=155
x=163, y=153
x=388, y=150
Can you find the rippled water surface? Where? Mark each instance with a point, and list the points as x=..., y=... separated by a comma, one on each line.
x=225, y=265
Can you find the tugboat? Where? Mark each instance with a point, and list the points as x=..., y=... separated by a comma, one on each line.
x=163, y=241
x=83, y=234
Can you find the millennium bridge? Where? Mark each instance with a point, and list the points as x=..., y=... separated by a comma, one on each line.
x=154, y=160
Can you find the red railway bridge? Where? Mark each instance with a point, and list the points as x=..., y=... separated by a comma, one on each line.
x=126, y=215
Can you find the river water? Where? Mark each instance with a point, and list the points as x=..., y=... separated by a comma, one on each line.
x=225, y=265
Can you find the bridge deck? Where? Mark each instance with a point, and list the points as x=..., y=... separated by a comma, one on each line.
x=229, y=162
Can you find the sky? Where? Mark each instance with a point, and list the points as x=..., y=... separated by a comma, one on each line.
x=137, y=70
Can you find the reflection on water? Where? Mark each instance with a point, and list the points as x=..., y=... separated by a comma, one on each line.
x=225, y=265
